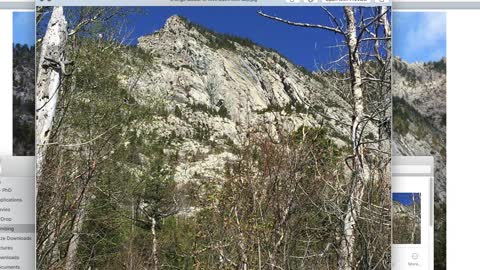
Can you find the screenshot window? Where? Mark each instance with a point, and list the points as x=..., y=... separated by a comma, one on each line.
x=238, y=134
x=213, y=135
x=433, y=94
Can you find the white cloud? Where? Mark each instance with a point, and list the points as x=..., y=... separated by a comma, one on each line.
x=430, y=29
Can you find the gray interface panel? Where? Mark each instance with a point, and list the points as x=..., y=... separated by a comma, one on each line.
x=17, y=212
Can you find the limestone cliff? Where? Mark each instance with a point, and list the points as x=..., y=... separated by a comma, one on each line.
x=218, y=88
x=419, y=114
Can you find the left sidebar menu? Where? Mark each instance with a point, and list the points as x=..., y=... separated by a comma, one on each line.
x=17, y=213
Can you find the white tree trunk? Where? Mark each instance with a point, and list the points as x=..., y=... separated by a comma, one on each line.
x=71, y=259
x=388, y=30
x=360, y=172
x=47, y=83
x=414, y=218
x=347, y=245
x=154, y=243
x=241, y=244
x=387, y=27
x=49, y=75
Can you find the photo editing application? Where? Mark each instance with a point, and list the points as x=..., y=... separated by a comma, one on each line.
x=419, y=89
x=215, y=137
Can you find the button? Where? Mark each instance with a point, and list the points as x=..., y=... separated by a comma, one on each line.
x=310, y=1
x=293, y=1
x=414, y=256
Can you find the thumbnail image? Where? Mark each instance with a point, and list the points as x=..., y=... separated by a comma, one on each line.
x=213, y=138
x=23, y=83
x=406, y=215
x=419, y=102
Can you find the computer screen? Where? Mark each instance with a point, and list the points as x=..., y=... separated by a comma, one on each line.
x=238, y=134
x=213, y=135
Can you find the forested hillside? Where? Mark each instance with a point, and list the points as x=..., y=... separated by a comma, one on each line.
x=407, y=221
x=23, y=100
x=200, y=150
x=419, y=129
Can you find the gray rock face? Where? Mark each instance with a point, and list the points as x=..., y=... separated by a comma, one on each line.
x=401, y=210
x=419, y=117
x=218, y=88
x=424, y=86
x=406, y=223
x=193, y=68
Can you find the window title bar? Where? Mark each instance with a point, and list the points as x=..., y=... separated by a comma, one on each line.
x=434, y=5
x=213, y=2
x=17, y=4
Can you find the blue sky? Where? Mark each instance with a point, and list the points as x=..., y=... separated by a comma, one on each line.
x=24, y=28
x=406, y=198
x=308, y=47
x=304, y=46
x=419, y=36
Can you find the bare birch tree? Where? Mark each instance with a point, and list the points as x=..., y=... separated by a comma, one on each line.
x=65, y=194
x=354, y=35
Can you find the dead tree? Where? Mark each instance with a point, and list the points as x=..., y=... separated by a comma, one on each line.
x=48, y=81
x=54, y=84
x=50, y=69
x=354, y=34
x=414, y=219
x=356, y=193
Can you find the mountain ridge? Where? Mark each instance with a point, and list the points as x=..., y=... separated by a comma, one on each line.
x=251, y=88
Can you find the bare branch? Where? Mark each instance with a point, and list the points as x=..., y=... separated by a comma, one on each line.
x=335, y=30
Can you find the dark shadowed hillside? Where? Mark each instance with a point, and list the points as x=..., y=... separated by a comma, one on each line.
x=23, y=100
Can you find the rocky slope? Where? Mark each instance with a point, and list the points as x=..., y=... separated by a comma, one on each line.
x=401, y=210
x=218, y=89
x=419, y=128
x=419, y=114
x=406, y=223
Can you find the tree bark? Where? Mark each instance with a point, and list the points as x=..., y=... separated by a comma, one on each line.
x=47, y=83
x=70, y=260
x=82, y=197
x=414, y=218
x=347, y=244
x=243, y=265
x=49, y=76
x=154, y=243
x=388, y=30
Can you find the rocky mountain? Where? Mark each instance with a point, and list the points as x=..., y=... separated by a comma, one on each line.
x=401, y=210
x=406, y=223
x=219, y=88
x=200, y=147
x=419, y=114
x=23, y=100
x=419, y=128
